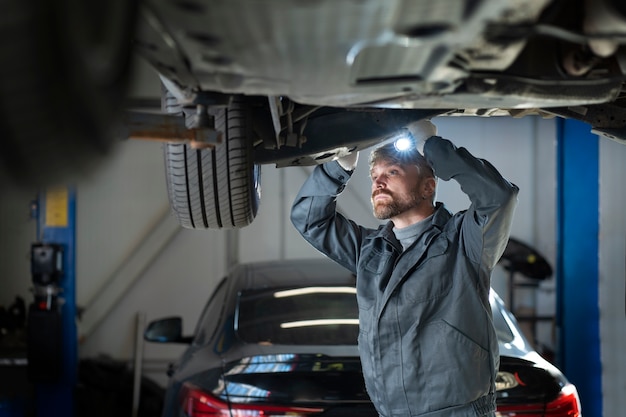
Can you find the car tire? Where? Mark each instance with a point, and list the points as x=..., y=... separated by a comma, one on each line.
x=216, y=187
x=63, y=80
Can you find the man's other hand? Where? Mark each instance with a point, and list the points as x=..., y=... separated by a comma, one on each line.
x=349, y=161
x=421, y=132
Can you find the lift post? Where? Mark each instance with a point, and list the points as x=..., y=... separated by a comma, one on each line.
x=577, y=262
x=55, y=213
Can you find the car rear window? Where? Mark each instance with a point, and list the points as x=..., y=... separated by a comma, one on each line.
x=313, y=315
x=299, y=316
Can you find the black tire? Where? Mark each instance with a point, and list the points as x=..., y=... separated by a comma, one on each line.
x=215, y=188
x=63, y=80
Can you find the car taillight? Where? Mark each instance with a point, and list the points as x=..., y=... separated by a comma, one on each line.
x=567, y=404
x=197, y=403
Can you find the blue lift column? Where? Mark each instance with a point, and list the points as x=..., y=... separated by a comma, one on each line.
x=56, y=225
x=577, y=262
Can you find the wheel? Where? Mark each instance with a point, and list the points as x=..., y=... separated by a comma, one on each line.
x=218, y=187
x=63, y=80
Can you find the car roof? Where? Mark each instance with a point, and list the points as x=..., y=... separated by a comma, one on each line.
x=288, y=273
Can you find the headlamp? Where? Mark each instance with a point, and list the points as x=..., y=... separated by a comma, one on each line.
x=403, y=143
x=402, y=140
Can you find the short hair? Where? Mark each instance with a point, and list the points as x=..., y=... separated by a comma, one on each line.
x=388, y=152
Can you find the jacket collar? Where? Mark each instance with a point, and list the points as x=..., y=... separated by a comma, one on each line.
x=441, y=215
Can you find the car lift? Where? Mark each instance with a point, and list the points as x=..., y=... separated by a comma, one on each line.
x=52, y=334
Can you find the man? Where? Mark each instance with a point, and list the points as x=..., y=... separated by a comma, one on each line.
x=426, y=339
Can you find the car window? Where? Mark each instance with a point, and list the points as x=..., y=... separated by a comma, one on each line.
x=313, y=315
x=300, y=316
x=211, y=316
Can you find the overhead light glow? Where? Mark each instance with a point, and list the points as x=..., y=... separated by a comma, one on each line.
x=314, y=290
x=321, y=322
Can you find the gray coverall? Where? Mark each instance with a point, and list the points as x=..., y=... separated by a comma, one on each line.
x=426, y=338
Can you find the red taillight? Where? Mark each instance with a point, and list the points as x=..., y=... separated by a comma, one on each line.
x=196, y=403
x=567, y=404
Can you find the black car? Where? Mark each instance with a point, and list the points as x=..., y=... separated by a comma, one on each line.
x=279, y=339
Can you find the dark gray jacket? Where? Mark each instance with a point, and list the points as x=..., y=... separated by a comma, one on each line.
x=426, y=340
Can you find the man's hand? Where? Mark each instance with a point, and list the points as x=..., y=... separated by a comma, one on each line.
x=349, y=161
x=422, y=131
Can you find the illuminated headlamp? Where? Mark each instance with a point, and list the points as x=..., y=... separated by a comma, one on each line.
x=402, y=140
x=403, y=143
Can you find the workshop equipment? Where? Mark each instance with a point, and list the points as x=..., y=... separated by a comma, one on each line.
x=52, y=333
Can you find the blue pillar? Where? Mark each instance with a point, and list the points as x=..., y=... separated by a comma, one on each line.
x=56, y=224
x=577, y=262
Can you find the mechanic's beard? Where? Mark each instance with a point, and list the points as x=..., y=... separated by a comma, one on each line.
x=386, y=209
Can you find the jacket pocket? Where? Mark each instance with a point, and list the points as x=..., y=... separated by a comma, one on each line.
x=375, y=261
x=433, y=276
x=374, y=271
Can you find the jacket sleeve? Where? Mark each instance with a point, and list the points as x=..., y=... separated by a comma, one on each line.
x=487, y=223
x=314, y=214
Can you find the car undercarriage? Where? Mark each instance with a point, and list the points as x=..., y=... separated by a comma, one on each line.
x=294, y=82
x=482, y=58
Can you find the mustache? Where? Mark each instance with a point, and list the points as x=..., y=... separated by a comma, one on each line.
x=378, y=192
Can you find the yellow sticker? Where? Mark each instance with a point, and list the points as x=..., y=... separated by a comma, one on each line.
x=57, y=201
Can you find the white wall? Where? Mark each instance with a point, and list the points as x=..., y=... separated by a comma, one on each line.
x=116, y=213
x=612, y=275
